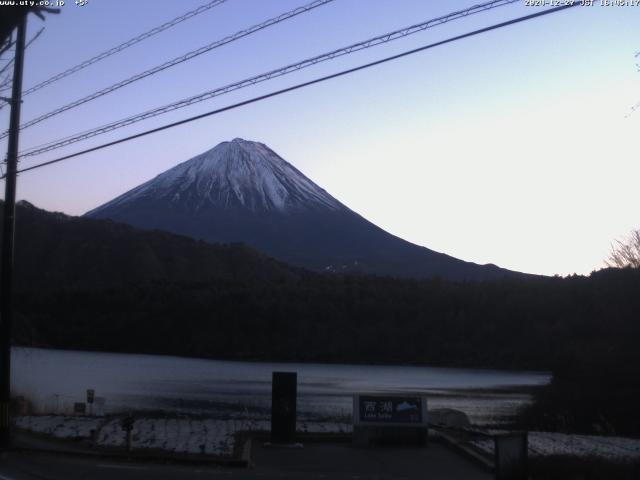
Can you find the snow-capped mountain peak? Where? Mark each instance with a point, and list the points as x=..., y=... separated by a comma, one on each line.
x=236, y=174
x=242, y=191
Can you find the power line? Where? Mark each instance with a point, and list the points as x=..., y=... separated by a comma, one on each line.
x=7, y=80
x=385, y=38
x=3, y=48
x=33, y=39
x=302, y=85
x=176, y=61
x=125, y=45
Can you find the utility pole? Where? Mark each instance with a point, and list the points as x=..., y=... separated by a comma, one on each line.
x=6, y=276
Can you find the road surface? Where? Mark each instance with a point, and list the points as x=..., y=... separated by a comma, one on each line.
x=314, y=461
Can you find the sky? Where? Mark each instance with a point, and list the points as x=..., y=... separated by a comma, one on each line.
x=516, y=147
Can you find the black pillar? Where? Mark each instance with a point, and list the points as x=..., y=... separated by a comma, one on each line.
x=6, y=276
x=283, y=407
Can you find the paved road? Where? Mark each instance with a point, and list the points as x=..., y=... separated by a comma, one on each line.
x=342, y=461
x=40, y=466
x=318, y=461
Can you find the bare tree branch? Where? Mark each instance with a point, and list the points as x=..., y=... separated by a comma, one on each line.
x=625, y=253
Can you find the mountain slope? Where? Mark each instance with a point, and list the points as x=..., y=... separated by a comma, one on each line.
x=57, y=251
x=242, y=191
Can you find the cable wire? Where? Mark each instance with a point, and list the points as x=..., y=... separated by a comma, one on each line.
x=125, y=45
x=10, y=43
x=385, y=38
x=301, y=85
x=33, y=39
x=176, y=61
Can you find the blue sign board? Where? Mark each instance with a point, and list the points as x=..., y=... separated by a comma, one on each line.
x=398, y=410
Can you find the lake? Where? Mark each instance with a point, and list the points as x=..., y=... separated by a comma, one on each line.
x=53, y=380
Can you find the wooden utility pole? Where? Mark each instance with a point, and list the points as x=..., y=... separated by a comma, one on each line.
x=6, y=276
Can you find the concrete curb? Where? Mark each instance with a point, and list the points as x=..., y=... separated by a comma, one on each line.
x=468, y=452
x=138, y=457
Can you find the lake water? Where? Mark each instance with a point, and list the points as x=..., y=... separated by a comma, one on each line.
x=54, y=379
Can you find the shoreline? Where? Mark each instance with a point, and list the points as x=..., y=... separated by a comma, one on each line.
x=261, y=361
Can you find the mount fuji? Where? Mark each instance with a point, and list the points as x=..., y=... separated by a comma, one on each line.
x=242, y=191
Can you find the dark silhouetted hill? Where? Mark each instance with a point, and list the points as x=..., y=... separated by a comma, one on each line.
x=57, y=251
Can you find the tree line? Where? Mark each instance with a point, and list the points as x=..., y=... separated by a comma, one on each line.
x=98, y=285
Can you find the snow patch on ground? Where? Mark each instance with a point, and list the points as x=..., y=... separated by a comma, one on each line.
x=217, y=437
x=60, y=426
x=542, y=444
x=179, y=435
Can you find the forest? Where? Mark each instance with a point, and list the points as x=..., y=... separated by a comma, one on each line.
x=98, y=285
